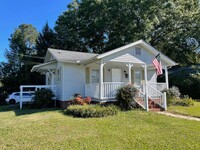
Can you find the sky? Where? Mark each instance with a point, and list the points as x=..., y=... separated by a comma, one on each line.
x=35, y=12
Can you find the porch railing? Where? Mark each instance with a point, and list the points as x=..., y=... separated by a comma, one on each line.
x=156, y=96
x=110, y=89
x=140, y=98
x=33, y=88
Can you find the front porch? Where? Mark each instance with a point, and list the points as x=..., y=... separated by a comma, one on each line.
x=103, y=79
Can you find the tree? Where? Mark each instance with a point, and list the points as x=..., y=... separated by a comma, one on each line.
x=102, y=25
x=22, y=42
x=45, y=40
x=20, y=59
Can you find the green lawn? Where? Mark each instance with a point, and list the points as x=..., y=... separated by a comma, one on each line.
x=189, y=111
x=51, y=129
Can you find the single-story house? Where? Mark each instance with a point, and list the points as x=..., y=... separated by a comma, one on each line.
x=100, y=75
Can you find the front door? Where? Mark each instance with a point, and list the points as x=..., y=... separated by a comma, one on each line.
x=137, y=78
x=116, y=75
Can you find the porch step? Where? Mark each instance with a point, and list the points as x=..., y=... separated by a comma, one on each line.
x=153, y=106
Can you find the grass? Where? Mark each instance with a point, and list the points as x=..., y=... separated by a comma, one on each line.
x=51, y=129
x=189, y=111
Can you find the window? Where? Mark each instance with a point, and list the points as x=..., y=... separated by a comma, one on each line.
x=26, y=94
x=138, y=51
x=16, y=94
x=95, y=76
x=59, y=74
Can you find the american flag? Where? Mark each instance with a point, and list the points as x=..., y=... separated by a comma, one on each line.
x=157, y=63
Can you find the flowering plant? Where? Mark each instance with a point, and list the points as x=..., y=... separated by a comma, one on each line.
x=81, y=101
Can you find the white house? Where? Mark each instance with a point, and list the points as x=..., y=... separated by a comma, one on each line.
x=100, y=75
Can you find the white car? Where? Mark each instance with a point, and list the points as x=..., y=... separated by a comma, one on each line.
x=15, y=97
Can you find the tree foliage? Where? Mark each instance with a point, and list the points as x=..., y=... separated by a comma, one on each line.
x=102, y=25
x=16, y=71
x=21, y=42
x=45, y=40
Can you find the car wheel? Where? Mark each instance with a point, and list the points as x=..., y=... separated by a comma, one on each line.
x=12, y=101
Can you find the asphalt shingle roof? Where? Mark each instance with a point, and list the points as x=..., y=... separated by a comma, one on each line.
x=71, y=56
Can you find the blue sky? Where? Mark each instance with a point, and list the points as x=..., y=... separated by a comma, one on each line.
x=35, y=12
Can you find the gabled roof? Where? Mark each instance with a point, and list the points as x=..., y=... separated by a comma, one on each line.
x=84, y=58
x=70, y=56
x=144, y=44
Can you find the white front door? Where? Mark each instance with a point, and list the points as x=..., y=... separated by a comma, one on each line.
x=116, y=75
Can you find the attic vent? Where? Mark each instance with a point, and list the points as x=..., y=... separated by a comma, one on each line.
x=138, y=51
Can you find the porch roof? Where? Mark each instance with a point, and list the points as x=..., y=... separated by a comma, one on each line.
x=127, y=58
x=44, y=67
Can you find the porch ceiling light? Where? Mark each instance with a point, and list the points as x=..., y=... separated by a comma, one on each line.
x=78, y=61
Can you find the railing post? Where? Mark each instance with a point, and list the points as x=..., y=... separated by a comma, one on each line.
x=165, y=100
x=166, y=77
x=146, y=88
x=20, y=98
x=146, y=102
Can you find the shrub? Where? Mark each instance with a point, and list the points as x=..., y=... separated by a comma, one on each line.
x=43, y=98
x=91, y=110
x=185, y=101
x=3, y=99
x=125, y=97
x=172, y=93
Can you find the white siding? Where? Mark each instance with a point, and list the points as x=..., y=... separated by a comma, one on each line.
x=73, y=80
x=151, y=75
x=145, y=56
x=58, y=83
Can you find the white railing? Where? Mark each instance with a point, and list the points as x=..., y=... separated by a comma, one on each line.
x=158, y=86
x=140, y=98
x=33, y=88
x=156, y=96
x=92, y=90
x=110, y=89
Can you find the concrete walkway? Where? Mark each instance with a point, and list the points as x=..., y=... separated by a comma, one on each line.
x=179, y=116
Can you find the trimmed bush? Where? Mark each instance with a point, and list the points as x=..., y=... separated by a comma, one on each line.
x=172, y=93
x=125, y=97
x=43, y=98
x=185, y=101
x=87, y=111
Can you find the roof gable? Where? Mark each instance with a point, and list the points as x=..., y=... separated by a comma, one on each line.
x=84, y=58
x=142, y=43
x=127, y=58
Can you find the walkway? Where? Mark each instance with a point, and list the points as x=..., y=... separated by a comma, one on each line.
x=179, y=116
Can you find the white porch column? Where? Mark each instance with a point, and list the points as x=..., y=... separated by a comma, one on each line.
x=166, y=77
x=129, y=65
x=146, y=88
x=101, y=80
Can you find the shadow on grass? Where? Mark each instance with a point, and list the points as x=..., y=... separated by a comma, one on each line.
x=26, y=110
